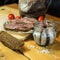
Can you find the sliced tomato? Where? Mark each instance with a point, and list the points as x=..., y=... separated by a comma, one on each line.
x=41, y=18
x=11, y=16
x=18, y=17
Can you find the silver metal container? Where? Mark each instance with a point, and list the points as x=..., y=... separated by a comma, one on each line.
x=33, y=8
x=44, y=33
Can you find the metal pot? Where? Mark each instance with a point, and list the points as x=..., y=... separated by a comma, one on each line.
x=33, y=8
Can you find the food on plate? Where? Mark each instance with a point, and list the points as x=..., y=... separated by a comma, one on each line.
x=17, y=17
x=40, y=18
x=10, y=41
x=11, y=16
x=23, y=24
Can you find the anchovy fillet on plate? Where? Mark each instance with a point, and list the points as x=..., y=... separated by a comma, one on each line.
x=23, y=24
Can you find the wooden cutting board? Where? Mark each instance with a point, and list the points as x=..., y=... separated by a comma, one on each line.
x=4, y=11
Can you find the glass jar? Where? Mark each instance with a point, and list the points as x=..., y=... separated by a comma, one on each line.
x=44, y=33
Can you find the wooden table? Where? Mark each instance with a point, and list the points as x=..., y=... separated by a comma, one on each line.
x=31, y=50
x=15, y=6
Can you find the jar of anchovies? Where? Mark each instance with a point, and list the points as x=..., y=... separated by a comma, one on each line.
x=44, y=33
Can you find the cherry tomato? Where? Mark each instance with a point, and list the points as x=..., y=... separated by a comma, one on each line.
x=41, y=18
x=18, y=17
x=11, y=16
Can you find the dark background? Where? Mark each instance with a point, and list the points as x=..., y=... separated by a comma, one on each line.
x=54, y=8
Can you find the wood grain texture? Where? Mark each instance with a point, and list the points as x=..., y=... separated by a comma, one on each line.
x=8, y=54
x=4, y=12
x=31, y=49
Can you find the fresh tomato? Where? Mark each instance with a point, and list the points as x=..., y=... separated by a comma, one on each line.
x=18, y=17
x=11, y=16
x=41, y=18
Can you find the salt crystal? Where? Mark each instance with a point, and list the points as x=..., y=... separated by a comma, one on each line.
x=44, y=51
x=31, y=46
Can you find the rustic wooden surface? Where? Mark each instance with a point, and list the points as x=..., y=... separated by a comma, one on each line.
x=30, y=49
x=4, y=12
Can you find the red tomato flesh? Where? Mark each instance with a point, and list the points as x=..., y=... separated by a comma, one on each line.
x=41, y=18
x=11, y=16
x=18, y=17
